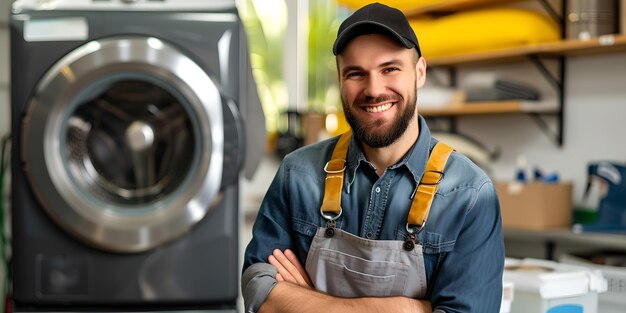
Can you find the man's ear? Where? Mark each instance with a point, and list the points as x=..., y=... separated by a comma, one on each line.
x=420, y=71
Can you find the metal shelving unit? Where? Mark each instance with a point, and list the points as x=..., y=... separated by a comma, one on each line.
x=536, y=54
x=564, y=240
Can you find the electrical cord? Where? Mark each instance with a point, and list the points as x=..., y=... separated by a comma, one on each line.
x=4, y=165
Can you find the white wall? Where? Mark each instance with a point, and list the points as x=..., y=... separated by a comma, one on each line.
x=595, y=123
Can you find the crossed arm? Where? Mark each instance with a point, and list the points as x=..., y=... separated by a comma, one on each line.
x=295, y=293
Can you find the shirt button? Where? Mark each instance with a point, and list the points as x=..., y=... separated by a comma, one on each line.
x=377, y=189
x=369, y=235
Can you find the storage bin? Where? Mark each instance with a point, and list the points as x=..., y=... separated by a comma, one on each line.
x=507, y=297
x=614, y=299
x=550, y=287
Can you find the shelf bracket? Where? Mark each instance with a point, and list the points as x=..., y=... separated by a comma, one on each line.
x=452, y=72
x=556, y=137
x=550, y=247
x=558, y=82
x=453, y=125
x=560, y=19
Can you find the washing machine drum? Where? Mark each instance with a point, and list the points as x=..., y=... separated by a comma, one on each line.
x=123, y=143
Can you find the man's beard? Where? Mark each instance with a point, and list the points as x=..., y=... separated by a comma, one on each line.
x=380, y=139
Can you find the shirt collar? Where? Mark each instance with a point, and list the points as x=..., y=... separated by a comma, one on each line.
x=355, y=158
x=415, y=160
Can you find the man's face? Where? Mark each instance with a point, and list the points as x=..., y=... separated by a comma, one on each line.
x=378, y=79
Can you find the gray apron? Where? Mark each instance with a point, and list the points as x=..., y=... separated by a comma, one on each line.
x=344, y=265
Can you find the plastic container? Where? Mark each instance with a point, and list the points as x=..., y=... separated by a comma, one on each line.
x=550, y=287
x=614, y=299
x=507, y=297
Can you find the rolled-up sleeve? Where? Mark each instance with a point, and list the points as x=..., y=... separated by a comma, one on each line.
x=469, y=278
x=256, y=283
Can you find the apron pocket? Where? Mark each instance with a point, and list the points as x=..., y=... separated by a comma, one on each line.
x=350, y=284
x=350, y=276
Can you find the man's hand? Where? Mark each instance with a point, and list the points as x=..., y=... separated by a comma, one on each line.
x=295, y=293
x=286, y=297
x=289, y=268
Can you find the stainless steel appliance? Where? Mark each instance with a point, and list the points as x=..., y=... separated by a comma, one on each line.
x=587, y=19
x=128, y=125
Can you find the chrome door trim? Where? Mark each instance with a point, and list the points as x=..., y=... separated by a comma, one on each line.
x=105, y=226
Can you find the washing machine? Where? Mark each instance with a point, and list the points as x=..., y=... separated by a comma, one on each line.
x=129, y=123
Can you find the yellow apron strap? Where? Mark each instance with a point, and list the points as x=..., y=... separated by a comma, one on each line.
x=335, y=169
x=425, y=192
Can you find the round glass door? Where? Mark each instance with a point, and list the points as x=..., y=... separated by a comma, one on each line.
x=123, y=143
x=131, y=144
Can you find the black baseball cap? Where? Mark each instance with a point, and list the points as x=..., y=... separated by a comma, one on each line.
x=376, y=18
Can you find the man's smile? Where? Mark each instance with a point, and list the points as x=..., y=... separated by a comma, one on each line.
x=379, y=108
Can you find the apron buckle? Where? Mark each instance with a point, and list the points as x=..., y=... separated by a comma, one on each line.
x=415, y=230
x=331, y=217
x=330, y=221
x=330, y=232
x=409, y=243
x=330, y=228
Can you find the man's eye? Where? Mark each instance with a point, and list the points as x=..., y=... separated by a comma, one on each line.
x=391, y=69
x=354, y=74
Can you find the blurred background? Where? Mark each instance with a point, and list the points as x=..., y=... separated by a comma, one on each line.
x=532, y=91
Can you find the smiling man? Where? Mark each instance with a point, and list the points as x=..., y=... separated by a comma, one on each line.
x=378, y=80
x=384, y=218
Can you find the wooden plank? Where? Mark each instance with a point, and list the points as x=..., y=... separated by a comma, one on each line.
x=570, y=47
x=477, y=108
x=493, y=56
x=453, y=6
x=599, y=45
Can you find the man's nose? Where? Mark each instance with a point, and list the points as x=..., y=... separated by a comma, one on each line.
x=374, y=87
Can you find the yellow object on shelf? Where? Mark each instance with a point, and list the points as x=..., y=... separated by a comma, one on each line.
x=483, y=30
x=402, y=5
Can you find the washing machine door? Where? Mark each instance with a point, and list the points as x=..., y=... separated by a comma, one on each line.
x=123, y=143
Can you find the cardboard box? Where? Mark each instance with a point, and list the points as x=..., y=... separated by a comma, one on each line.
x=312, y=125
x=535, y=206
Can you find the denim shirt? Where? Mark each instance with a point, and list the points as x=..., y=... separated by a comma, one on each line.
x=462, y=239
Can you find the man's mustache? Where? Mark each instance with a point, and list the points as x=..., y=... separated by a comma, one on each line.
x=375, y=100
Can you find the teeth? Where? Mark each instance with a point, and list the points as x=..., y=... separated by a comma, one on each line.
x=379, y=108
